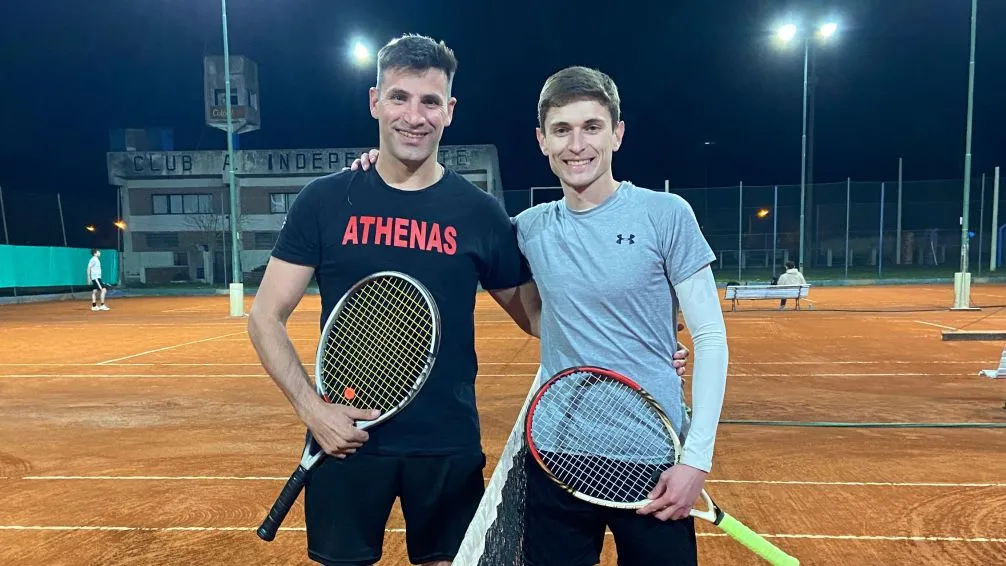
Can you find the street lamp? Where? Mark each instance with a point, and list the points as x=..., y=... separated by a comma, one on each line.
x=786, y=33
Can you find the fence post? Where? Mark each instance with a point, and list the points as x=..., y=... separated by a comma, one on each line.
x=775, y=224
x=848, y=190
x=995, y=220
x=3, y=214
x=897, y=251
x=981, y=227
x=880, y=247
x=740, y=231
x=59, y=203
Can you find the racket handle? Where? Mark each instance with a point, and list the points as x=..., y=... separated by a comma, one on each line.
x=757, y=543
x=286, y=499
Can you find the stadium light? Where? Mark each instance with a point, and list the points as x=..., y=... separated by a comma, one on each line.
x=786, y=33
x=360, y=53
x=827, y=30
x=762, y=213
x=89, y=228
x=121, y=225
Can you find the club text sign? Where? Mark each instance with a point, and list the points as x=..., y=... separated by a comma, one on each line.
x=152, y=164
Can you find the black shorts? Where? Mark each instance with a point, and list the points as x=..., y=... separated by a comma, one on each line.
x=347, y=504
x=561, y=530
x=97, y=284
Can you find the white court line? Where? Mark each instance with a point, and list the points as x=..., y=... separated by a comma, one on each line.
x=202, y=308
x=481, y=375
x=816, y=374
x=860, y=483
x=188, y=375
x=919, y=538
x=750, y=482
x=936, y=325
x=739, y=364
x=169, y=347
x=130, y=375
x=214, y=364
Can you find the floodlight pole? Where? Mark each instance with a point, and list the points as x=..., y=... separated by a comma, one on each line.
x=962, y=280
x=803, y=151
x=237, y=285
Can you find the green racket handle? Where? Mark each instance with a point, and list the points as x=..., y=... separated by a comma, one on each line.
x=756, y=542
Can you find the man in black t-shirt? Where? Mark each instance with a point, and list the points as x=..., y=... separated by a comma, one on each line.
x=412, y=215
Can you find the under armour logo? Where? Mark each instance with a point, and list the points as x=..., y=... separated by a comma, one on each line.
x=631, y=239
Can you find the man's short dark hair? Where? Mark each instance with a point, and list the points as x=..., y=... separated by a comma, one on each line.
x=574, y=84
x=94, y=251
x=417, y=53
x=790, y=265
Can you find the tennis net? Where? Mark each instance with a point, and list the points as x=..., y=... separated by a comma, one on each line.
x=495, y=536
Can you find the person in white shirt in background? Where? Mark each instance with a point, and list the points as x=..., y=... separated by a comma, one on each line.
x=98, y=287
x=791, y=277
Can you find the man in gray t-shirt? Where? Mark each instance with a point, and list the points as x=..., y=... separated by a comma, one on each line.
x=612, y=262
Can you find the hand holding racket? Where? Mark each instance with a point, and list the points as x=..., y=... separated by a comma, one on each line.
x=606, y=441
x=377, y=348
x=335, y=428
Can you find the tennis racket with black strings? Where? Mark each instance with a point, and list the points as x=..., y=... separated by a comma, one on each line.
x=377, y=349
x=605, y=440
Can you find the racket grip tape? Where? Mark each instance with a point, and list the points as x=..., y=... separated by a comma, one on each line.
x=757, y=543
x=286, y=499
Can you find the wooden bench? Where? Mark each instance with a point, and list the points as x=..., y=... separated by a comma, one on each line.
x=736, y=293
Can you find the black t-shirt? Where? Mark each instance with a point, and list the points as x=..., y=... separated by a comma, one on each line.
x=451, y=236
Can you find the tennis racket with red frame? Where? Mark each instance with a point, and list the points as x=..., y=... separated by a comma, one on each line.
x=605, y=440
x=377, y=349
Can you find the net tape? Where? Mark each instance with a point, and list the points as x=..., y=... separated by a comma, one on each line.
x=495, y=535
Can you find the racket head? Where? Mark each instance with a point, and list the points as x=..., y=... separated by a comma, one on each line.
x=600, y=436
x=378, y=345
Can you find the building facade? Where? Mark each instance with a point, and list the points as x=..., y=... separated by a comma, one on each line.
x=176, y=204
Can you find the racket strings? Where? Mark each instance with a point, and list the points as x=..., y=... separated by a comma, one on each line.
x=378, y=345
x=393, y=332
x=601, y=438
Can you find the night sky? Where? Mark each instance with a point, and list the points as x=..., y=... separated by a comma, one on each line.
x=893, y=83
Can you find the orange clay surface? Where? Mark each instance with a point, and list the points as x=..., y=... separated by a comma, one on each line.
x=150, y=434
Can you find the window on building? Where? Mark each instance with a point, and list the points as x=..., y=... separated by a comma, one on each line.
x=162, y=240
x=280, y=203
x=160, y=204
x=182, y=204
x=265, y=240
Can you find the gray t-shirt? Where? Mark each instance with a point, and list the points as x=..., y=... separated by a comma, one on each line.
x=605, y=277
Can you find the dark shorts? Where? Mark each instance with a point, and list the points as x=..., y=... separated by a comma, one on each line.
x=561, y=530
x=347, y=504
x=97, y=284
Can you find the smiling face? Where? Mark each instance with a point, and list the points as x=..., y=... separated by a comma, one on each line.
x=412, y=108
x=579, y=127
x=579, y=140
x=412, y=100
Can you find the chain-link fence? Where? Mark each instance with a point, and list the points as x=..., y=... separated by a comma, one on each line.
x=851, y=229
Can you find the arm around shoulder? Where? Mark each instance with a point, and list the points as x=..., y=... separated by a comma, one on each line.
x=523, y=304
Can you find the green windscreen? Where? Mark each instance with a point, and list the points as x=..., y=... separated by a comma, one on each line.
x=49, y=266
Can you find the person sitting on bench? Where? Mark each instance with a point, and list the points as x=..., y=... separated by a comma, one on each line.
x=791, y=277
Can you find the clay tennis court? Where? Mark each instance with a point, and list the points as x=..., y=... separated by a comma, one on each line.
x=150, y=434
